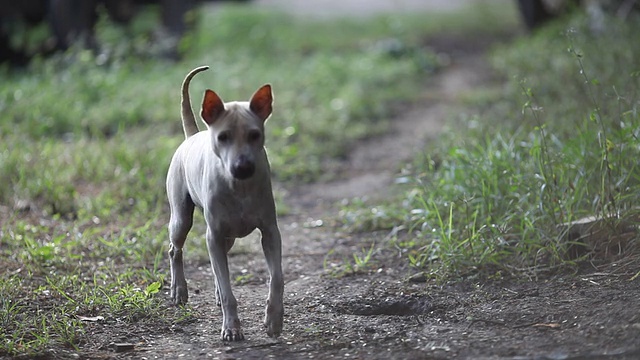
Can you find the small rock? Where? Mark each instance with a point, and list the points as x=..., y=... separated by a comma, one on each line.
x=122, y=347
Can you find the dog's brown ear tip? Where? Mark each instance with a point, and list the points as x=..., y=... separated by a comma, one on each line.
x=261, y=102
x=266, y=89
x=212, y=98
x=270, y=89
x=212, y=106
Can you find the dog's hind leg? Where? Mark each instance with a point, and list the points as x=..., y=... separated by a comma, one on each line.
x=179, y=225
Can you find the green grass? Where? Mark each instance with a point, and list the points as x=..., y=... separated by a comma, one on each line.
x=344, y=87
x=557, y=143
x=87, y=138
x=55, y=277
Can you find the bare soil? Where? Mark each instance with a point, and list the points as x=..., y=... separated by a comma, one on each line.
x=381, y=314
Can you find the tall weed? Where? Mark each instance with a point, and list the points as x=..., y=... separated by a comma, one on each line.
x=560, y=143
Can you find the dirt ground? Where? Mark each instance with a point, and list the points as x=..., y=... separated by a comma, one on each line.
x=381, y=314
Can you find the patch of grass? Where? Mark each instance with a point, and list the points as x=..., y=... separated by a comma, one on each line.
x=327, y=94
x=54, y=278
x=558, y=144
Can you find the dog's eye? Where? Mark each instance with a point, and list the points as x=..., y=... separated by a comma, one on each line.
x=223, y=137
x=254, y=135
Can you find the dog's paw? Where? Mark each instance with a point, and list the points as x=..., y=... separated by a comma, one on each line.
x=273, y=320
x=273, y=329
x=233, y=334
x=179, y=295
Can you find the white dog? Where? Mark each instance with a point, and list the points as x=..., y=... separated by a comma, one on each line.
x=225, y=172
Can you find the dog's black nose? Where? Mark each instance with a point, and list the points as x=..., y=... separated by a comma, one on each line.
x=243, y=169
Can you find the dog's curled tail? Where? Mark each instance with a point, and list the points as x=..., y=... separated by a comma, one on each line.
x=188, y=119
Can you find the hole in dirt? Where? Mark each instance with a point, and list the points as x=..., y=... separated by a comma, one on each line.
x=388, y=306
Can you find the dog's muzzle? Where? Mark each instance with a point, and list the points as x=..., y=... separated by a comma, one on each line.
x=243, y=168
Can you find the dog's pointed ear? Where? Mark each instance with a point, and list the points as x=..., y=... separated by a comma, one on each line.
x=212, y=107
x=261, y=101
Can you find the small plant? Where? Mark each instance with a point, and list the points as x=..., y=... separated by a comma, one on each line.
x=364, y=261
x=243, y=279
x=358, y=263
x=152, y=288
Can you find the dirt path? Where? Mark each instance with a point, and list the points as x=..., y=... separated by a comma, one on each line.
x=379, y=315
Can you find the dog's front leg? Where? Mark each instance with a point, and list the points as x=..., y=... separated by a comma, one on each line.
x=217, y=246
x=274, y=312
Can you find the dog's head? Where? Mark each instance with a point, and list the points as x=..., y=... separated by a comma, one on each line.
x=237, y=129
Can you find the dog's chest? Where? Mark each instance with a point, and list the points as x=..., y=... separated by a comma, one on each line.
x=238, y=217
